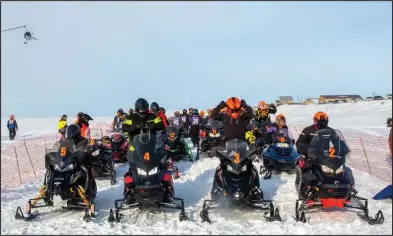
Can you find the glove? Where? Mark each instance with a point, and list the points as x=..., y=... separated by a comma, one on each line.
x=222, y=105
x=243, y=103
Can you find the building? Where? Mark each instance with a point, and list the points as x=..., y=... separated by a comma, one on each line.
x=338, y=98
x=284, y=100
x=309, y=101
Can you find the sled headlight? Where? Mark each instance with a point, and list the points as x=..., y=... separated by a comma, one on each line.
x=244, y=168
x=282, y=145
x=144, y=173
x=153, y=171
x=340, y=170
x=141, y=172
x=214, y=135
x=66, y=168
x=230, y=169
x=326, y=169
x=96, y=152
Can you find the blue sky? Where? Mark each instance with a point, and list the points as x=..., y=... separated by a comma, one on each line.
x=100, y=56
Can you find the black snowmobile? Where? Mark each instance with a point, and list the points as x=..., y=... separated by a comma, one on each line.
x=238, y=186
x=325, y=181
x=103, y=164
x=66, y=178
x=178, y=148
x=279, y=156
x=148, y=184
x=212, y=136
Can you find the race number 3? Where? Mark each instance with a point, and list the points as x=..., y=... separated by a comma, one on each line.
x=63, y=151
x=146, y=157
x=236, y=158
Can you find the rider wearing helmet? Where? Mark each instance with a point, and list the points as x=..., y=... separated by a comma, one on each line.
x=155, y=108
x=82, y=120
x=141, y=119
x=321, y=121
x=234, y=121
x=263, y=112
x=118, y=119
x=279, y=126
x=184, y=117
x=80, y=145
x=62, y=125
x=195, y=121
x=236, y=118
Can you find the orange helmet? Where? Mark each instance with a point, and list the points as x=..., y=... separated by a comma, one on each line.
x=233, y=107
x=262, y=105
x=280, y=120
x=321, y=120
x=201, y=113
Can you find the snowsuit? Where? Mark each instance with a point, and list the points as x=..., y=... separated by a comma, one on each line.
x=264, y=115
x=195, y=122
x=12, y=126
x=61, y=127
x=390, y=142
x=83, y=123
x=186, y=125
x=268, y=136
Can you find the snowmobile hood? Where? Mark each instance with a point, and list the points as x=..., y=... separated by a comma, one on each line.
x=147, y=154
x=237, y=152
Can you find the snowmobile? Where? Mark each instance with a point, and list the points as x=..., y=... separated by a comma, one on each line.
x=66, y=178
x=103, y=164
x=177, y=148
x=119, y=147
x=148, y=185
x=236, y=187
x=323, y=180
x=279, y=156
x=212, y=136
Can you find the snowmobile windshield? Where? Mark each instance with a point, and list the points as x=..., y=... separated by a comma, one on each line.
x=147, y=154
x=236, y=151
x=329, y=149
x=173, y=131
x=264, y=125
x=64, y=158
x=214, y=124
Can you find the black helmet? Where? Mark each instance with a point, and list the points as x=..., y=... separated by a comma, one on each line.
x=64, y=117
x=154, y=107
x=121, y=112
x=141, y=106
x=184, y=111
x=73, y=132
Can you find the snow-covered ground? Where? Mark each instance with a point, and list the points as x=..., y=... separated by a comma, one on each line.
x=367, y=117
x=195, y=184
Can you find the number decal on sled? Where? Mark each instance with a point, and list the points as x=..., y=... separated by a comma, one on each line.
x=282, y=139
x=332, y=152
x=236, y=158
x=146, y=156
x=92, y=141
x=63, y=151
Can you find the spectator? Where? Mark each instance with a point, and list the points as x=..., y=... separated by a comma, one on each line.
x=390, y=136
x=12, y=127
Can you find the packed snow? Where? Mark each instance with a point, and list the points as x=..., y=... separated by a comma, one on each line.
x=195, y=184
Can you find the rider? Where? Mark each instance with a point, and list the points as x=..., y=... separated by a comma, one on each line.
x=279, y=126
x=82, y=120
x=264, y=111
x=62, y=125
x=195, y=121
x=141, y=120
x=234, y=121
x=81, y=144
x=184, y=117
x=118, y=119
x=155, y=108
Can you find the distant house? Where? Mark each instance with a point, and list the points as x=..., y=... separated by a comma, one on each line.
x=309, y=101
x=338, y=98
x=285, y=100
x=389, y=96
